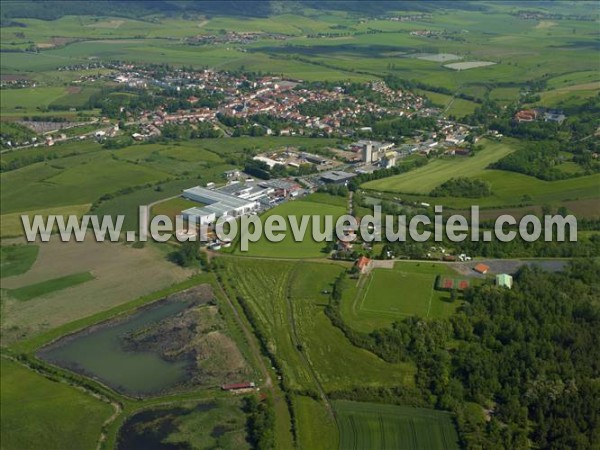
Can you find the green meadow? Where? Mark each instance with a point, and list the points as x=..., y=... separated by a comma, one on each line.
x=41, y=413
x=287, y=300
x=17, y=259
x=288, y=247
x=424, y=179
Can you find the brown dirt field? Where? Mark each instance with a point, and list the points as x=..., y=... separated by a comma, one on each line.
x=122, y=274
x=589, y=208
x=73, y=89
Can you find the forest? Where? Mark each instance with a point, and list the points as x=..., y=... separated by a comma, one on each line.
x=518, y=367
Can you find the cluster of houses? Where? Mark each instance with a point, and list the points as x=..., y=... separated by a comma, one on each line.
x=540, y=114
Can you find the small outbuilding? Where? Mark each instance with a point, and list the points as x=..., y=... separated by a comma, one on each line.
x=504, y=280
x=481, y=268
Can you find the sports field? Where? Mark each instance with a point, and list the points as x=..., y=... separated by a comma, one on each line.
x=407, y=289
x=372, y=425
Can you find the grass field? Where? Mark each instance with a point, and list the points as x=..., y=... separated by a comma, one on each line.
x=173, y=207
x=267, y=285
x=17, y=259
x=316, y=429
x=372, y=425
x=29, y=418
x=288, y=247
x=71, y=180
x=424, y=179
x=509, y=189
x=12, y=225
x=47, y=287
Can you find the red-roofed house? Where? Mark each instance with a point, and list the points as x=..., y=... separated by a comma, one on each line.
x=363, y=263
x=481, y=268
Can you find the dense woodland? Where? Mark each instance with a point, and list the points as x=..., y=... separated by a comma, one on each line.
x=519, y=367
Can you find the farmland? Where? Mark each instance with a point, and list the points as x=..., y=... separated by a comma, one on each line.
x=508, y=188
x=371, y=425
x=30, y=404
x=111, y=265
x=337, y=363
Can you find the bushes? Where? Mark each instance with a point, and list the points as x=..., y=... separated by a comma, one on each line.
x=463, y=187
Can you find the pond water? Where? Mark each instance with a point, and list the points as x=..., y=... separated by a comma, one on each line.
x=99, y=353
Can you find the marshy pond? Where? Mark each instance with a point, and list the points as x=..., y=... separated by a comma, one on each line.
x=104, y=352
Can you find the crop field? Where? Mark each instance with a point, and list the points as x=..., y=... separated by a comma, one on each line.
x=466, y=65
x=288, y=247
x=30, y=99
x=287, y=299
x=424, y=179
x=457, y=107
x=372, y=425
x=407, y=289
x=524, y=50
x=29, y=406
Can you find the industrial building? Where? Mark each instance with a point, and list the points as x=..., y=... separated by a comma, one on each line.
x=336, y=177
x=372, y=151
x=217, y=204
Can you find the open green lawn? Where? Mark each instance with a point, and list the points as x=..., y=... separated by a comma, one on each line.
x=173, y=207
x=37, y=413
x=17, y=259
x=46, y=287
x=288, y=247
x=456, y=107
x=372, y=425
x=426, y=178
x=29, y=99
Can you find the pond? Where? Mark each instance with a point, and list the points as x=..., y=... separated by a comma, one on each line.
x=99, y=352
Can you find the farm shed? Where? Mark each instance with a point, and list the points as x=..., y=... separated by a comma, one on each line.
x=481, y=268
x=504, y=280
